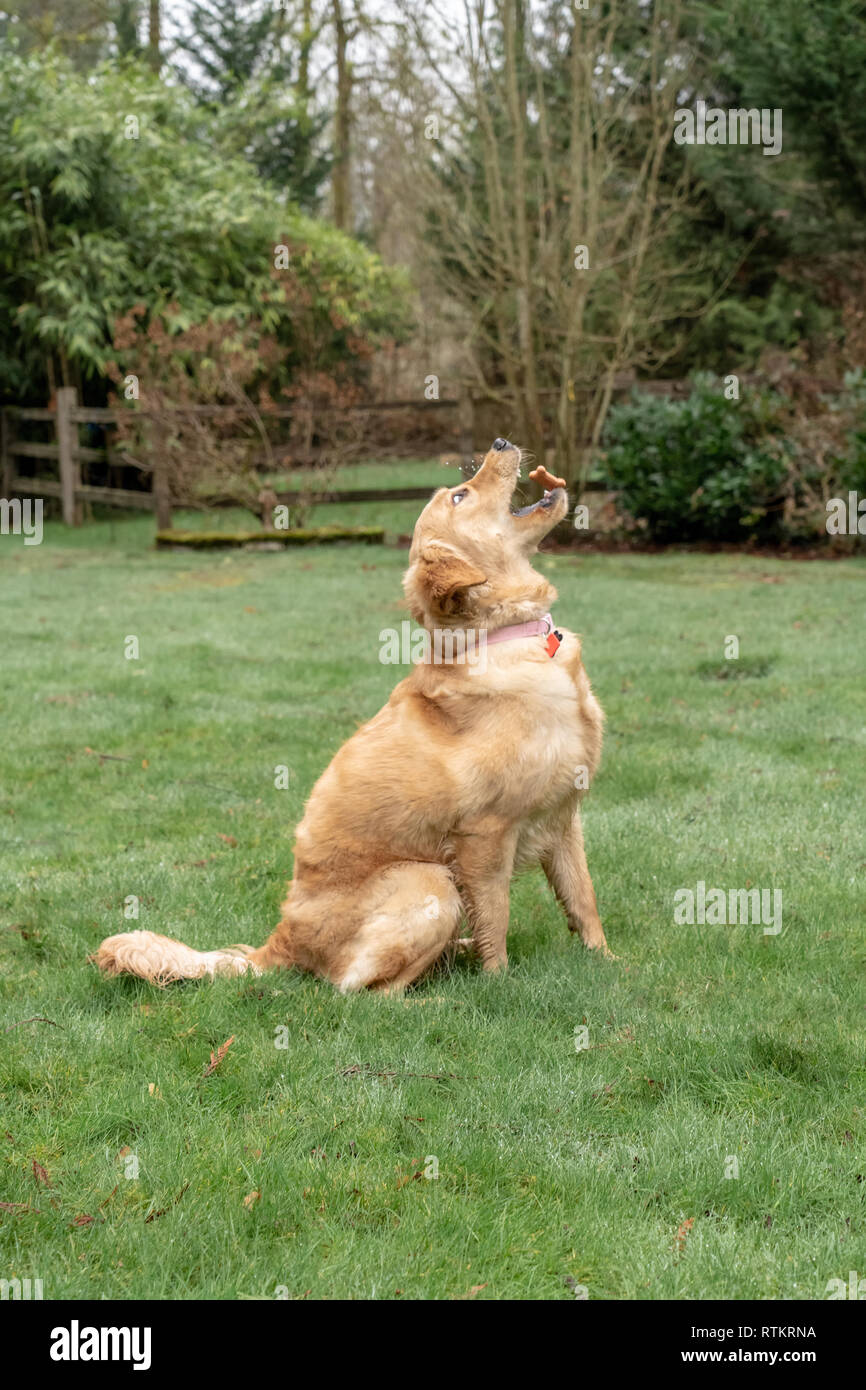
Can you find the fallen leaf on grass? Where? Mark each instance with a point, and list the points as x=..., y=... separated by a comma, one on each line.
x=19, y=1206
x=251, y=1199
x=216, y=1057
x=476, y=1288
x=413, y=1176
x=40, y=1174
x=230, y=840
x=680, y=1243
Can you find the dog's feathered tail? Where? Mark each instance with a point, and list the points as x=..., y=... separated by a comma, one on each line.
x=161, y=960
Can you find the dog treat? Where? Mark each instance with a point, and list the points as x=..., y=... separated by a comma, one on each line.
x=546, y=480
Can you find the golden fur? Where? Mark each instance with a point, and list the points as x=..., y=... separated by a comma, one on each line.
x=468, y=774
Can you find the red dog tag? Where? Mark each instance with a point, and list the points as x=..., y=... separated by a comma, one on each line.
x=554, y=642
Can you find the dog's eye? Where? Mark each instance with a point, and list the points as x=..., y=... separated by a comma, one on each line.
x=457, y=497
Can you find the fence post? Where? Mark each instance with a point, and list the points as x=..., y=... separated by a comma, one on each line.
x=6, y=473
x=466, y=421
x=67, y=436
x=159, y=474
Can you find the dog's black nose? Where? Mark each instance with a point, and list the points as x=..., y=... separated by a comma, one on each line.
x=500, y=444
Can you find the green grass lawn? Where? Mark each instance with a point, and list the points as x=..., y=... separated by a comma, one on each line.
x=396, y=517
x=296, y=1167
x=396, y=472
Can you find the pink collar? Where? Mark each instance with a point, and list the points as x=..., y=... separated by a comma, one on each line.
x=537, y=627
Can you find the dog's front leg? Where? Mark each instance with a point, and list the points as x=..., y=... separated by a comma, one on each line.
x=484, y=861
x=568, y=875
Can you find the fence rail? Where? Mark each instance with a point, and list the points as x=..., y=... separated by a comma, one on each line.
x=111, y=496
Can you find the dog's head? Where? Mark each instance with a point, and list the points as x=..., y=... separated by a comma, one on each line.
x=469, y=565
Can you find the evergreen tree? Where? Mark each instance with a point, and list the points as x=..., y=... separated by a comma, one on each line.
x=244, y=63
x=126, y=19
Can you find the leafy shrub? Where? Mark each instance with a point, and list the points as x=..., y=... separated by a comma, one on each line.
x=228, y=453
x=701, y=468
x=116, y=190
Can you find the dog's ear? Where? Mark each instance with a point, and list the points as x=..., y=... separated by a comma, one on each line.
x=444, y=575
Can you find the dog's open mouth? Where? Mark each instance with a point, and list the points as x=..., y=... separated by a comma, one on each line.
x=543, y=504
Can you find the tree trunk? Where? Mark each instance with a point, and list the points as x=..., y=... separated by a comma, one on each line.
x=154, y=56
x=515, y=80
x=126, y=27
x=304, y=57
x=342, y=124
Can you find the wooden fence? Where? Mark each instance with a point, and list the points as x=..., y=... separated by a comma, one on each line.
x=69, y=454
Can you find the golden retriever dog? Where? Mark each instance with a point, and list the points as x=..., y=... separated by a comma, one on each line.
x=474, y=769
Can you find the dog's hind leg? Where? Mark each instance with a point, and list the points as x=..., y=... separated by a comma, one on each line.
x=413, y=913
x=384, y=936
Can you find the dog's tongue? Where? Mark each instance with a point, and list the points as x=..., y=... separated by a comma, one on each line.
x=546, y=480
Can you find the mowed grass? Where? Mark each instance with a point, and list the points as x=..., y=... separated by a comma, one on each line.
x=294, y=1170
